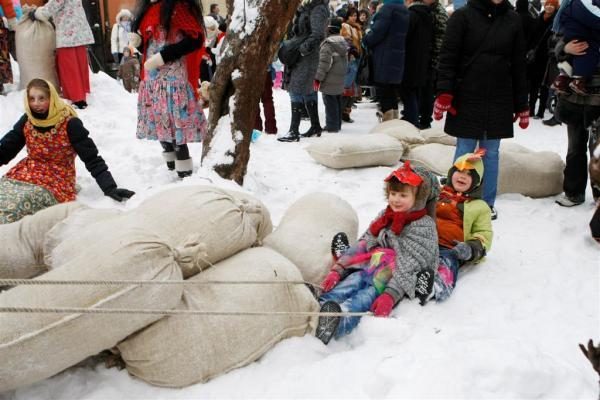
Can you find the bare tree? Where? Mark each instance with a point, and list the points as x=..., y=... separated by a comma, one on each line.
x=253, y=36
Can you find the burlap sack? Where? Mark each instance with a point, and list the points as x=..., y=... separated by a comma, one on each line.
x=179, y=351
x=224, y=222
x=399, y=129
x=349, y=151
x=36, y=346
x=530, y=173
x=36, y=43
x=305, y=232
x=437, y=135
x=22, y=251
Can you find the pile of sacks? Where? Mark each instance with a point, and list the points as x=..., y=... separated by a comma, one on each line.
x=198, y=233
x=531, y=173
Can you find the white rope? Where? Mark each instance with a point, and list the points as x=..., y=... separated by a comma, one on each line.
x=78, y=310
x=20, y=282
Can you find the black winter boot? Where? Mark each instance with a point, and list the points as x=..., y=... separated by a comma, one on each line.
x=315, y=125
x=293, y=134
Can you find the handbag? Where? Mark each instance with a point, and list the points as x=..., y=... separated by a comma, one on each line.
x=289, y=52
x=530, y=55
x=364, y=76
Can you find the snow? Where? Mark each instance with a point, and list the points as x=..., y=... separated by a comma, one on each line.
x=510, y=330
x=245, y=17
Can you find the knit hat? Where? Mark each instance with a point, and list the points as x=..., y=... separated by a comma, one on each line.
x=469, y=162
x=554, y=3
x=335, y=25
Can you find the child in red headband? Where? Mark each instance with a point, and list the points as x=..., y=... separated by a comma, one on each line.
x=381, y=268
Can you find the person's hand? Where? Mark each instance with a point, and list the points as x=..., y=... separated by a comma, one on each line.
x=462, y=251
x=332, y=279
x=593, y=354
x=442, y=104
x=316, y=85
x=154, y=62
x=523, y=117
x=12, y=24
x=576, y=48
x=134, y=39
x=119, y=194
x=382, y=306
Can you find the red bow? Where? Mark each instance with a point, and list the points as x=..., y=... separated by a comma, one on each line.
x=397, y=219
x=406, y=175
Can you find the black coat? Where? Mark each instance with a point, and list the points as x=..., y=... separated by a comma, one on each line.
x=386, y=41
x=493, y=87
x=540, y=34
x=419, y=41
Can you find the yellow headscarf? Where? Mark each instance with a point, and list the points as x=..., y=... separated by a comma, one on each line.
x=56, y=112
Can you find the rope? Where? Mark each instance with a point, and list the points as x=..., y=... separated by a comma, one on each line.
x=17, y=282
x=78, y=310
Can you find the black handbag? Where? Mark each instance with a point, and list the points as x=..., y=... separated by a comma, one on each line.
x=364, y=76
x=289, y=52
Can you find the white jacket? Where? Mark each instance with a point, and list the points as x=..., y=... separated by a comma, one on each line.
x=119, y=37
x=72, y=27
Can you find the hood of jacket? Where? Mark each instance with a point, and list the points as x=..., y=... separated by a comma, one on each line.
x=338, y=43
x=123, y=13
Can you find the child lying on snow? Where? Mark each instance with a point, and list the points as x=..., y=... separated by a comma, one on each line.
x=464, y=227
x=382, y=267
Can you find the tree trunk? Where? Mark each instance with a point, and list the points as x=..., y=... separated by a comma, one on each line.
x=252, y=38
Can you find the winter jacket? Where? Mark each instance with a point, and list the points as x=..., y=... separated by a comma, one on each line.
x=540, y=34
x=119, y=36
x=528, y=22
x=416, y=249
x=386, y=40
x=310, y=21
x=419, y=40
x=353, y=33
x=333, y=62
x=593, y=84
x=129, y=72
x=488, y=87
x=72, y=27
x=440, y=21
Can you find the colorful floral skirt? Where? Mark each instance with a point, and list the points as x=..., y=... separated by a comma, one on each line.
x=18, y=199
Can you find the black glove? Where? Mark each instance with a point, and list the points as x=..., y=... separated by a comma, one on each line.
x=119, y=194
x=593, y=354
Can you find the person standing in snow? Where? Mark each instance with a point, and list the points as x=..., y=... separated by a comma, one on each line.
x=11, y=17
x=73, y=34
x=119, y=35
x=53, y=136
x=382, y=268
x=129, y=70
x=309, y=26
x=481, y=82
x=352, y=32
x=170, y=36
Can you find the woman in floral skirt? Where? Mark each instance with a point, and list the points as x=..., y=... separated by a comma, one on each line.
x=170, y=35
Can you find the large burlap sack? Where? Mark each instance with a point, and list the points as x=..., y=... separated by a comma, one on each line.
x=36, y=43
x=22, y=243
x=36, y=346
x=178, y=351
x=224, y=222
x=530, y=173
x=349, y=151
x=305, y=232
x=437, y=135
x=401, y=130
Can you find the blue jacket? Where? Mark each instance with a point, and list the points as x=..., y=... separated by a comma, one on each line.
x=386, y=42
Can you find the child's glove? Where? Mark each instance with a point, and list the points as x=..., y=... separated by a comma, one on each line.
x=593, y=354
x=119, y=194
x=382, y=306
x=332, y=279
x=523, y=117
x=134, y=39
x=442, y=104
x=316, y=85
x=462, y=250
x=154, y=62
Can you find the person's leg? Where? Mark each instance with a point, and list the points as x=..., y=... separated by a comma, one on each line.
x=543, y=101
x=464, y=146
x=426, y=100
x=446, y=276
x=183, y=161
x=344, y=290
x=297, y=104
x=312, y=106
x=361, y=301
x=269, y=107
x=74, y=78
x=490, y=173
x=331, y=112
x=411, y=105
x=338, y=100
x=168, y=154
x=387, y=98
x=258, y=125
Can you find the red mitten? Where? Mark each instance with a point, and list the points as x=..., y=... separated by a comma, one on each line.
x=316, y=85
x=332, y=279
x=382, y=306
x=523, y=117
x=442, y=104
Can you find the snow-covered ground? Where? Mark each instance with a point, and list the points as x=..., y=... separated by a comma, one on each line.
x=510, y=330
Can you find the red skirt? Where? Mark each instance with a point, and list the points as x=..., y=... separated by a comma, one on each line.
x=73, y=72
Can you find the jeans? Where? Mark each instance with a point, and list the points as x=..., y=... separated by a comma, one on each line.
x=490, y=163
x=303, y=98
x=333, y=111
x=356, y=293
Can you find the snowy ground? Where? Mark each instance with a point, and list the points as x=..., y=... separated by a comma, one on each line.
x=510, y=330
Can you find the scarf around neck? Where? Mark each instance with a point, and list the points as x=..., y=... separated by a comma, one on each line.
x=57, y=110
x=397, y=220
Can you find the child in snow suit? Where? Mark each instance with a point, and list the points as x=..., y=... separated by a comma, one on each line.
x=331, y=71
x=464, y=226
x=129, y=71
x=382, y=267
x=172, y=36
x=578, y=19
x=53, y=136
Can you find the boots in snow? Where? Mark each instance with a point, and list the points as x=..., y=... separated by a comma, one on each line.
x=339, y=245
x=293, y=134
x=424, y=286
x=315, y=125
x=169, y=157
x=184, y=168
x=328, y=325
